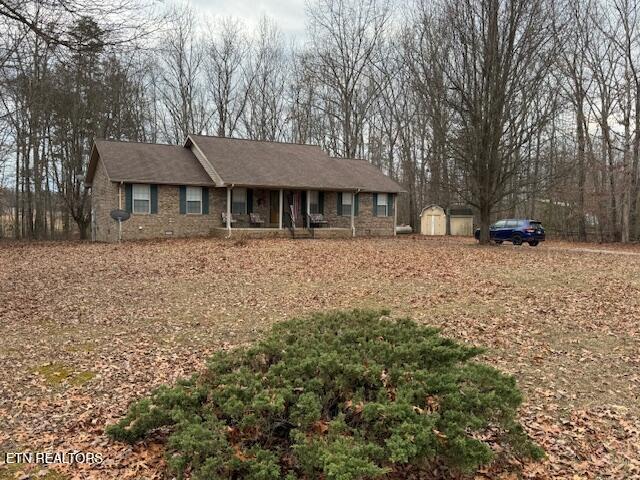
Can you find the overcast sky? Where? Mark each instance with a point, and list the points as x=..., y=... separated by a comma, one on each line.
x=288, y=14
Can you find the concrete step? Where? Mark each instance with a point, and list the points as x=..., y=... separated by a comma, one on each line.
x=302, y=233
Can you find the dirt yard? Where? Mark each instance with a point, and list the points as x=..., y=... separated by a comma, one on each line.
x=87, y=328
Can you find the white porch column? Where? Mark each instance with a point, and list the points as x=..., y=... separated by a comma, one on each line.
x=280, y=211
x=229, y=210
x=305, y=221
x=353, y=214
x=395, y=213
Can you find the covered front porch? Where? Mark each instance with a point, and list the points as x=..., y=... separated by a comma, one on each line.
x=263, y=213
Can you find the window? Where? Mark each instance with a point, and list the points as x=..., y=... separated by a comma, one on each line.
x=194, y=200
x=381, y=205
x=347, y=200
x=511, y=224
x=239, y=201
x=141, y=199
x=500, y=224
x=314, y=201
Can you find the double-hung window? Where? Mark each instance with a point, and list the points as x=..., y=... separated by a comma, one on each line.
x=194, y=200
x=141, y=198
x=347, y=201
x=239, y=201
x=314, y=201
x=382, y=205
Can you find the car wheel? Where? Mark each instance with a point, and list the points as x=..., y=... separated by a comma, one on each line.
x=516, y=240
x=534, y=243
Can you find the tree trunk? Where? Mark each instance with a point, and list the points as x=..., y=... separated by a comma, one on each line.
x=485, y=223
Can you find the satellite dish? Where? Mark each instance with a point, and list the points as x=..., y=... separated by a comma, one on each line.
x=120, y=215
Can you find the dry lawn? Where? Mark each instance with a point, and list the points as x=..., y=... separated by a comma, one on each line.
x=87, y=328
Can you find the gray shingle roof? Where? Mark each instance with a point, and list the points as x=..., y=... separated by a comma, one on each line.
x=236, y=162
x=288, y=165
x=148, y=163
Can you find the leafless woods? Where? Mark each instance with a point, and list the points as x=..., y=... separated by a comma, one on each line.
x=516, y=107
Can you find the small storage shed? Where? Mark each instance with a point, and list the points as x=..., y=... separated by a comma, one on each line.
x=460, y=221
x=433, y=220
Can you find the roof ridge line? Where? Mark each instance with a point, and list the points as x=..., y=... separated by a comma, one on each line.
x=257, y=141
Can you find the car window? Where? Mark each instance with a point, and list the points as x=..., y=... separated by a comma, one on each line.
x=500, y=224
x=511, y=224
x=536, y=224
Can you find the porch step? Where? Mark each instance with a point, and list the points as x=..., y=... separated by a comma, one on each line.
x=302, y=233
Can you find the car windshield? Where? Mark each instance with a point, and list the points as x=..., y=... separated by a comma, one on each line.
x=536, y=224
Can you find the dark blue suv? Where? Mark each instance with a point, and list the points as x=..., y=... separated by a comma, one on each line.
x=515, y=231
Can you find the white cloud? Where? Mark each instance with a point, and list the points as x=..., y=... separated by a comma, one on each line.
x=289, y=15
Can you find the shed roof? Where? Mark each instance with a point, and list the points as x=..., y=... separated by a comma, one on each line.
x=460, y=211
x=147, y=163
x=431, y=206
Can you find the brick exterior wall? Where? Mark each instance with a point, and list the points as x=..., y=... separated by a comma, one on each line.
x=365, y=222
x=169, y=222
x=104, y=198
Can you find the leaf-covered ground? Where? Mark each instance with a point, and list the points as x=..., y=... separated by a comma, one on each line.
x=87, y=328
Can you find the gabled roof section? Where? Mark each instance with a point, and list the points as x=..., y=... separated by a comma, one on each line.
x=133, y=162
x=254, y=163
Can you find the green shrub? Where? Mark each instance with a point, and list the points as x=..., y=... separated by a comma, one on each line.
x=338, y=396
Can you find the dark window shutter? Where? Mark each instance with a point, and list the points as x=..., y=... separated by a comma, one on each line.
x=128, y=197
x=356, y=206
x=249, y=200
x=375, y=204
x=321, y=202
x=205, y=200
x=154, y=198
x=390, y=204
x=183, y=200
x=339, y=203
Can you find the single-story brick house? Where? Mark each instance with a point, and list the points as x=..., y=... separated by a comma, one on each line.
x=230, y=187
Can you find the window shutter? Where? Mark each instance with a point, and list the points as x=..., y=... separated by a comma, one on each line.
x=154, y=198
x=375, y=204
x=205, y=200
x=128, y=197
x=339, y=203
x=249, y=200
x=321, y=202
x=183, y=200
x=390, y=204
x=356, y=206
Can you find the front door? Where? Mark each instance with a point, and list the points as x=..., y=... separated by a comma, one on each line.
x=274, y=203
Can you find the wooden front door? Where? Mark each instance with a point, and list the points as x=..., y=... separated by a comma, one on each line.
x=274, y=203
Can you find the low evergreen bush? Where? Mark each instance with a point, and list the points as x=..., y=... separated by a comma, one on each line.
x=341, y=396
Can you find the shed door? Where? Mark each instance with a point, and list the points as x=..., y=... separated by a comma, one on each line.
x=433, y=223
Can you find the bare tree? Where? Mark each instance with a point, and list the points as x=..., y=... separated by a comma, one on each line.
x=229, y=83
x=344, y=38
x=501, y=53
x=122, y=21
x=180, y=85
x=264, y=117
